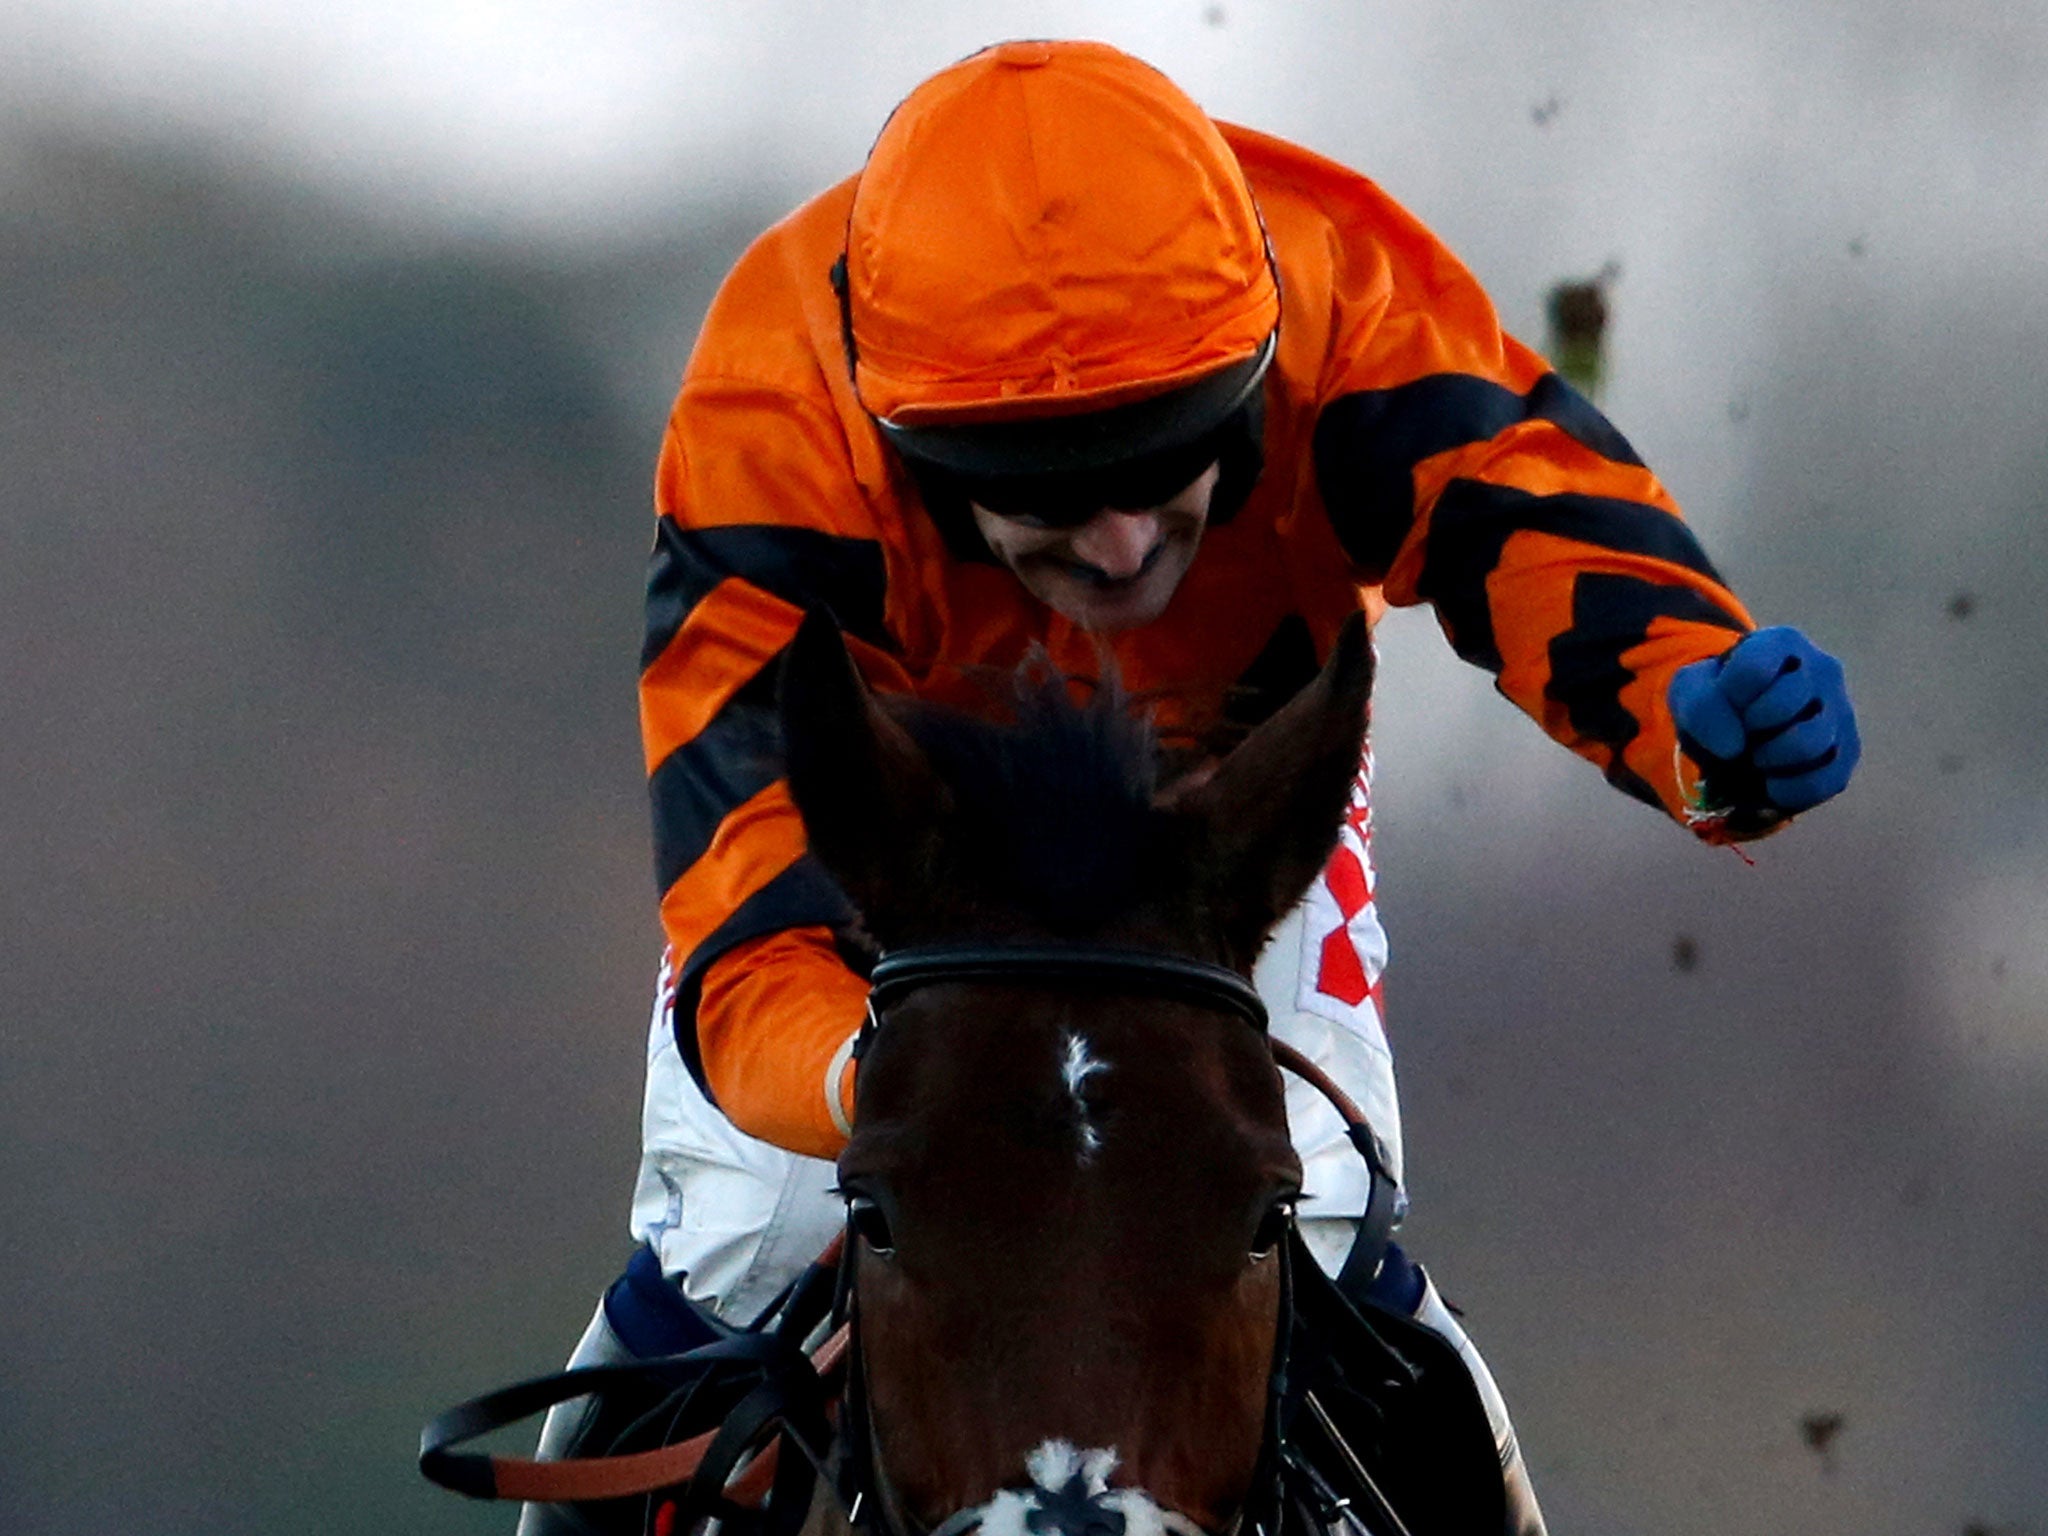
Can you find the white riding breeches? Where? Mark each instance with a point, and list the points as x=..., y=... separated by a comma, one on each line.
x=737, y=1218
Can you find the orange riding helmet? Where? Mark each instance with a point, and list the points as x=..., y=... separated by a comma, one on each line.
x=1054, y=267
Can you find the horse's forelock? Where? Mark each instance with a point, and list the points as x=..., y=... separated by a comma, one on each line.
x=1054, y=805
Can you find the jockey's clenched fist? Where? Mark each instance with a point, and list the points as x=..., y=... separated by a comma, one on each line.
x=1769, y=722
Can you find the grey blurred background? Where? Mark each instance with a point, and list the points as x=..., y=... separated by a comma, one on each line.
x=336, y=347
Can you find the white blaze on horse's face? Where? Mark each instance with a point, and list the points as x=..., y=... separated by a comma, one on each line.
x=1077, y=1064
x=1070, y=1496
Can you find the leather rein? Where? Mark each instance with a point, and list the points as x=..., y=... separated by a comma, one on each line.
x=736, y=1462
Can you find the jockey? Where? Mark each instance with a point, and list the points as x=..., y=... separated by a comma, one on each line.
x=1069, y=365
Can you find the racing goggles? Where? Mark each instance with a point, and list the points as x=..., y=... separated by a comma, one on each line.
x=1069, y=500
x=1058, y=472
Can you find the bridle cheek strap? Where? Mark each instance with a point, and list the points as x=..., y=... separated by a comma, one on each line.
x=1384, y=1205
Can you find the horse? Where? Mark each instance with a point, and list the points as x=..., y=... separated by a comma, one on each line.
x=1069, y=1299
x=1069, y=1179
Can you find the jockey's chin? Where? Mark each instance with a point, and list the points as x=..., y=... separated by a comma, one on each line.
x=1116, y=571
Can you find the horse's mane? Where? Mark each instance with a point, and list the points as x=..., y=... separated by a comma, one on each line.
x=1053, y=806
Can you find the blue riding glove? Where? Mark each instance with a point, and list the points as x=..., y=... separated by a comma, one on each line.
x=1770, y=724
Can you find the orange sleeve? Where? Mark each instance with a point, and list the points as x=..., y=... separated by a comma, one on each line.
x=762, y=515
x=1459, y=470
x=775, y=1026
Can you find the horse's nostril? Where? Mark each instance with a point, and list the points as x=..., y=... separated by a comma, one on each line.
x=1064, y=1519
x=1075, y=1510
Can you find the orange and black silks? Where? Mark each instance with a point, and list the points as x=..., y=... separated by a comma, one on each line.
x=1413, y=453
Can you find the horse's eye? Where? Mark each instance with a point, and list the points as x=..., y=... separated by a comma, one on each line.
x=1272, y=1228
x=870, y=1225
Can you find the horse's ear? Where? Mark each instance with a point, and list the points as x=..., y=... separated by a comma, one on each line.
x=866, y=791
x=1272, y=809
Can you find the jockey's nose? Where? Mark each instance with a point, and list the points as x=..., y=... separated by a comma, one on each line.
x=1117, y=543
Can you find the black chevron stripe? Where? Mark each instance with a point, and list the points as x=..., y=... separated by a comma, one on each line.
x=1473, y=522
x=800, y=896
x=803, y=566
x=1367, y=445
x=1611, y=615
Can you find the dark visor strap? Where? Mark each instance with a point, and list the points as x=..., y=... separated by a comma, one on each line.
x=1092, y=441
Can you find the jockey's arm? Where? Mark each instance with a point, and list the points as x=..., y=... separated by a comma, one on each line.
x=792, y=1085
x=1461, y=471
x=759, y=519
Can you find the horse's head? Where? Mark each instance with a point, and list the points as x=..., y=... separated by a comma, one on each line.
x=1067, y=1200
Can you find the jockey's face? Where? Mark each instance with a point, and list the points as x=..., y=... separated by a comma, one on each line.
x=1117, y=570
